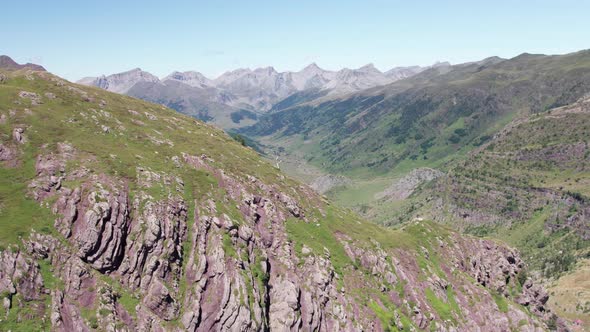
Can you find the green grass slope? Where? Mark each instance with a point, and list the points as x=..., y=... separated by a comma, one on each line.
x=426, y=119
x=529, y=186
x=119, y=137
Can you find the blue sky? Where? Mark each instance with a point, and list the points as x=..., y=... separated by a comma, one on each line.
x=87, y=38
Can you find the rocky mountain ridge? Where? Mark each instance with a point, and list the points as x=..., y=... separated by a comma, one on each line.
x=7, y=63
x=254, y=90
x=312, y=76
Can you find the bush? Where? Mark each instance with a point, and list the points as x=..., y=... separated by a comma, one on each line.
x=240, y=139
x=522, y=277
x=454, y=139
x=461, y=132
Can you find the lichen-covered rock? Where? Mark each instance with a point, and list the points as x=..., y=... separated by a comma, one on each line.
x=100, y=231
x=19, y=273
x=6, y=153
x=18, y=135
x=534, y=297
x=32, y=96
x=159, y=301
x=284, y=308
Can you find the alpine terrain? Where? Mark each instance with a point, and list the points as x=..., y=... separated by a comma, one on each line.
x=117, y=214
x=496, y=148
x=237, y=98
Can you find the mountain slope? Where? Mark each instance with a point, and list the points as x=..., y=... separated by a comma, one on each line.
x=530, y=187
x=424, y=119
x=255, y=91
x=160, y=222
x=193, y=101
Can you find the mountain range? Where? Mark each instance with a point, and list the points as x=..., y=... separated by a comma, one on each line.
x=427, y=117
x=246, y=93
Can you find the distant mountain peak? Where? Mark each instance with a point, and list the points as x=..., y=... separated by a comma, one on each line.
x=268, y=70
x=121, y=82
x=441, y=64
x=6, y=62
x=192, y=78
x=238, y=71
x=312, y=67
x=370, y=67
x=258, y=89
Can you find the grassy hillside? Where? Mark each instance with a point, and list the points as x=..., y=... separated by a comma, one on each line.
x=116, y=213
x=426, y=119
x=516, y=162
x=529, y=186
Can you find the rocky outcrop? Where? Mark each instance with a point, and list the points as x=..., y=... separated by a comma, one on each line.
x=534, y=296
x=50, y=170
x=19, y=273
x=492, y=265
x=159, y=301
x=18, y=135
x=6, y=153
x=33, y=97
x=100, y=230
x=325, y=183
x=242, y=272
x=404, y=187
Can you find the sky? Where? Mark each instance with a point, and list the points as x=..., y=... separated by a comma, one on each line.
x=74, y=39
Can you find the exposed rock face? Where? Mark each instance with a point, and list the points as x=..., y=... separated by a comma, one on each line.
x=6, y=153
x=99, y=232
x=17, y=135
x=238, y=274
x=159, y=301
x=534, y=297
x=404, y=187
x=19, y=273
x=491, y=265
x=325, y=183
